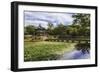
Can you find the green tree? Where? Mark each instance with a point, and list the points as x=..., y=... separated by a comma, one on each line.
x=83, y=20
x=50, y=28
x=25, y=31
x=60, y=30
x=73, y=30
x=30, y=29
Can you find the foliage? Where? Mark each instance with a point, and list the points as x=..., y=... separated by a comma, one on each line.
x=60, y=30
x=50, y=28
x=79, y=27
x=83, y=20
x=30, y=29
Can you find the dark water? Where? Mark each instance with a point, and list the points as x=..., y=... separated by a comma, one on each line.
x=75, y=54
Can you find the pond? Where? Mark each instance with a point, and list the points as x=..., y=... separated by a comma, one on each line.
x=75, y=54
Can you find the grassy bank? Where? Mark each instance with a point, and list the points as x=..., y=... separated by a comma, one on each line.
x=41, y=51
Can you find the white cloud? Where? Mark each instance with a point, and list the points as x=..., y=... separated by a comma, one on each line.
x=44, y=18
x=36, y=23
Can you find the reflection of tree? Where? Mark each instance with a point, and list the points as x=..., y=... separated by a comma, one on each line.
x=84, y=47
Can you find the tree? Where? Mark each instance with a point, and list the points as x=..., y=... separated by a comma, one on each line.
x=25, y=31
x=50, y=28
x=60, y=29
x=72, y=30
x=83, y=20
x=30, y=29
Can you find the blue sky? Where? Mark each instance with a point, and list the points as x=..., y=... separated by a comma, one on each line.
x=43, y=18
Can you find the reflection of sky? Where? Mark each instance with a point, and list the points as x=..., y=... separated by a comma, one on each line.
x=43, y=18
x=75, y=54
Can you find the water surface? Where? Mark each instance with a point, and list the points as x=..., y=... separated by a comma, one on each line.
x=75, y=54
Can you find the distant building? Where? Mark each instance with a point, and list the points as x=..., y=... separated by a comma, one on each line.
x=40, y=33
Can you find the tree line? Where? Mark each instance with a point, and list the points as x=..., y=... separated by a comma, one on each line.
x=79, y=27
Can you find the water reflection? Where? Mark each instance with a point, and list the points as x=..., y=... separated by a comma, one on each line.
x=75, y=54
x=81, y=51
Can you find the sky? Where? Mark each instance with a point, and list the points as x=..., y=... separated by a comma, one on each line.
x=43, y=18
